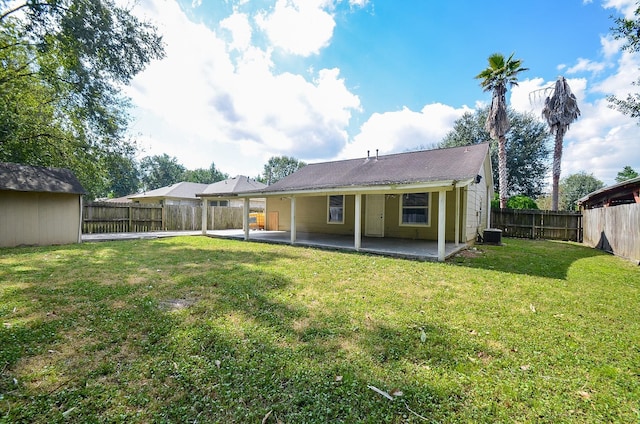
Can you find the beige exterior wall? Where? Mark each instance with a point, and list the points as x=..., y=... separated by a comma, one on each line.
x=38, y=218
x=311, y=216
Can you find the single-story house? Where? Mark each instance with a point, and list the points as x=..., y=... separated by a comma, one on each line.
x=224, y=193
x=182, y=193
x=39, y=206
x=440, y=195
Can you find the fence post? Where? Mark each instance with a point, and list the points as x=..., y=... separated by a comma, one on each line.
x=130, y=219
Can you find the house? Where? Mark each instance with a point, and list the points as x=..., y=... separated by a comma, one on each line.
x=440, y=195
x=182, y=193
x=225, y=193
x=611, y=219
x=39, y=206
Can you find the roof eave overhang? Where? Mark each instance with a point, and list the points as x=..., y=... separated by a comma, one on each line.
x=368, y=189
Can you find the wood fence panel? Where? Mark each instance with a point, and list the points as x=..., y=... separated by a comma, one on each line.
x=182, y=218
x=224, y=218
x=537, y=224
x=615, y=229
x=104, y=217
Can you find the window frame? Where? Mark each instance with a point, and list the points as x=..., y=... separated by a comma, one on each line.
x=427, y=208
x=329, y=221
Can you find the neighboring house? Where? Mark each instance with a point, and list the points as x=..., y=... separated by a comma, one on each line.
x=439, y=195
x=39, y=206
x=225, y=193
x=183, y=193
x=611, y=219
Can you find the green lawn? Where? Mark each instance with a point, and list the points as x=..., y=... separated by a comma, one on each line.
x=194, y=329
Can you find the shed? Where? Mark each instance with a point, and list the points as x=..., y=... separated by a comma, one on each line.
x=39, y=206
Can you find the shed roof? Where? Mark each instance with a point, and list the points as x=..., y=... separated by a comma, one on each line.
x=182, y=190
x=622, y=192
x=232, y=186
x=27, y=178
x=425, y=166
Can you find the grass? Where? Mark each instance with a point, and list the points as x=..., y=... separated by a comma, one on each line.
x=193, y=329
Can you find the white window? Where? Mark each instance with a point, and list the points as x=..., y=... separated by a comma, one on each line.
x=414, y=209
x=335, y=213
x=218, y=203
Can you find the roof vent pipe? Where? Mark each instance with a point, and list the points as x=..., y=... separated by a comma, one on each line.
x=367, y=154
x=376, y=154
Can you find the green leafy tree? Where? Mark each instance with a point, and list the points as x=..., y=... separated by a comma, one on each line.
x=278, y=167
x=62, y=64
x=628, y=30
x=516, y=202
x=123, y=174
x=626, y=174
x=526, y=146
x=575, y=187
x=496, y=77
x=560, y=111
x=160, y=171
x=204, y=176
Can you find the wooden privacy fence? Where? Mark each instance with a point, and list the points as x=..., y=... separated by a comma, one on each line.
x=105, y=217
x=538, y=224
x=615, y=229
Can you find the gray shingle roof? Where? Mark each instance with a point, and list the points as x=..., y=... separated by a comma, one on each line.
x=232, y=186
x=182, y=190
x=15, y=177
x=426, y=166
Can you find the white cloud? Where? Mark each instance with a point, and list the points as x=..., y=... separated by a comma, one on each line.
x=218, y=99
x=611, y=46
x=626, y=7
x=240, y=28
x=402, y=130
x=300, y=27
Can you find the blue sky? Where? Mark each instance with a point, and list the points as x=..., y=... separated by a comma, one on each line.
x=320, y=80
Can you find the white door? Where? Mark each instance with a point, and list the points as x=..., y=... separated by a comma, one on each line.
x=374, y=216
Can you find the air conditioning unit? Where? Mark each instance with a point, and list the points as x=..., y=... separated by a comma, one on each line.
x=492, y=236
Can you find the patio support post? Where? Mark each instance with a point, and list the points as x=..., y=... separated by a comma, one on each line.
x=442, y=215
x=245, y=218
x=293, y=220
x=457, y=237
x=357, y=231
x=205, y=202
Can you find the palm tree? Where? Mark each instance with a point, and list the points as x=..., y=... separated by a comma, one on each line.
x=495, y=78
x=560, y=110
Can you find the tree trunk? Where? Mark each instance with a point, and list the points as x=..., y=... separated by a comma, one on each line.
x=502, y=171
x=557, y=159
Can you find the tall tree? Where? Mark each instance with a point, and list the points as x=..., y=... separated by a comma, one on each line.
x=278, y=167
x=627, y=173
x=160, y=171
x=628, y=30
x=527, y=147
x=560, y=111
x=62, y=66
x=204, y=176
x=495, y=78
x=576, y=186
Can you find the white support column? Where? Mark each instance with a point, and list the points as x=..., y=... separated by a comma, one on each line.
x=442, y=216
x=357, y=230
x=205, y=208
x=293, y=220
x=457, y=237
x=245, y=218
x=488, y=212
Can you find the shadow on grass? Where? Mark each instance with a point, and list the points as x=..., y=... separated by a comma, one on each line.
x=541, y=258
x=90, y=336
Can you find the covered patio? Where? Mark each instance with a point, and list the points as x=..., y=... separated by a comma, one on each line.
x=422, y=250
